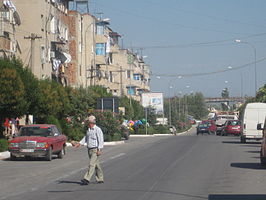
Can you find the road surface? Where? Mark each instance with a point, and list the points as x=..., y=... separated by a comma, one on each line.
x=155, y=168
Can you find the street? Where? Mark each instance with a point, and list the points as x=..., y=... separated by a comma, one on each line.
x=162, y=167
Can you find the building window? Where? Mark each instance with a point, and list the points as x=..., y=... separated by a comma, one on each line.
x=53, y=25
x=43, y=57
x=100, y=48
x=131, y=91
x=80, y=47
x=136, y=77
x=100, y=30
x=128, y=74
x=111, y=77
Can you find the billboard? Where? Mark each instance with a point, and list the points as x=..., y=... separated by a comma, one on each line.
x=154, y=100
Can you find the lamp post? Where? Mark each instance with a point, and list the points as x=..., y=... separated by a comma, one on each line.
x=255, y=60
x=170, y=114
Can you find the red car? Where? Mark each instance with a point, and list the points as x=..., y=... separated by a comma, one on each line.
x=38, y=140
x=211, y=126
x=232, y=127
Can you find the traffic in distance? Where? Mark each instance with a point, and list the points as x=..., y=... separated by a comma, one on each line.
x=252, y=125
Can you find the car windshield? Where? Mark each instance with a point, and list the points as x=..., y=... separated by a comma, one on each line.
x=234, y=123
x=203, y=125
x=35, y=131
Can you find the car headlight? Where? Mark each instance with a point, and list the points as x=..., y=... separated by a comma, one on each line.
x=13, y=145
x=41, y=144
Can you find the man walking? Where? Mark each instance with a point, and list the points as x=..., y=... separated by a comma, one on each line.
x=94, y=140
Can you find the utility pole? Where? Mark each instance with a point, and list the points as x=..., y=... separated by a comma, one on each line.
x=121, y=81
x=32, y=39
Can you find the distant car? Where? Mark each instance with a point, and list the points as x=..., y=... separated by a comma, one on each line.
x=220, y=121
x=231, y=127
x=212, y=126
x=203, y=128
x=38, y=140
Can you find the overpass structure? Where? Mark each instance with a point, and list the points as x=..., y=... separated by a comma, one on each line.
x=225, y=102
x=222, y=100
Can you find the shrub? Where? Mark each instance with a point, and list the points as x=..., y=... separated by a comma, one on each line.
x=3, y=145
x=109, y=124
x=142, y=130
x=53, y=120
x=160, y=129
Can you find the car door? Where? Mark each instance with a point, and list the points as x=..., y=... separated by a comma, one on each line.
x=56, y=139
x=60, y=139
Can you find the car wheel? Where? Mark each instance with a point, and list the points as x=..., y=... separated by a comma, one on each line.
x=242, y=139
x=48, y=156
x=12, y=157
x=62, y=152
x=262, y=159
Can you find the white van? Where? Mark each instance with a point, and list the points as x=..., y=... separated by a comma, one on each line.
x=254, y=114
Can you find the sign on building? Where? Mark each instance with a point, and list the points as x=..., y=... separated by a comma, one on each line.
x=154, y=100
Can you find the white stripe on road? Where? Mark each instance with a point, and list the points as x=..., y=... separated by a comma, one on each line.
x=117, y=156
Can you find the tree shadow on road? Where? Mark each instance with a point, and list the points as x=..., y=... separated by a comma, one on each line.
x=253, y=151
x=237, y=197
x=256, y=166
x=252, y=144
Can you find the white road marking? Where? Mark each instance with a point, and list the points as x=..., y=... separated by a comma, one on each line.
x=117, y=156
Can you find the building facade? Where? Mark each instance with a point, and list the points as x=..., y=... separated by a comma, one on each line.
x=75, y=49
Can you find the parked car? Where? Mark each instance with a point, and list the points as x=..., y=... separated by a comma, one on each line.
x=254, y=114
x=262, y=127
x=38, y=140
x=203, y=128
x=232, y=127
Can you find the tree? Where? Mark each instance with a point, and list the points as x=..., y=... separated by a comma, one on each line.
x=12, y=101
x=225, y=93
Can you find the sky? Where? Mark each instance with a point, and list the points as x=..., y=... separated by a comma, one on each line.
x=190, y=44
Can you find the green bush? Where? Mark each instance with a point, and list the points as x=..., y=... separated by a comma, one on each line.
x=160, y=129
x=109, y=124
x=116, y=137
x=53, y=120
x=3, y=145
x=142, y=130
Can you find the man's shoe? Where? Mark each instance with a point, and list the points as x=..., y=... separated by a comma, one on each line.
x=85, y=182
x=100, y=182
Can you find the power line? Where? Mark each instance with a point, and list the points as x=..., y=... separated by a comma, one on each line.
x=197, y=43
x=209, y=73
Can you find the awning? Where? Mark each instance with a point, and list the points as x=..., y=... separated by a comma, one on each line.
x=68, y=57
x=64, y=57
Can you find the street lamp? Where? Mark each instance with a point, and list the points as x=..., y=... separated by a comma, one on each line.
x=255, y=60
x=170, y=114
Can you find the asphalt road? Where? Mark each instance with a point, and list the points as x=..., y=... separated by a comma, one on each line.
x=157, y=168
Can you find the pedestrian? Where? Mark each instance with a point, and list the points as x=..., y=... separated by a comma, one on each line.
x=95, y=142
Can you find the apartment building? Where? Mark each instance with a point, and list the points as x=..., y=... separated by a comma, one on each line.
x=9, y=21
x=74, y=49
x=42, y=38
